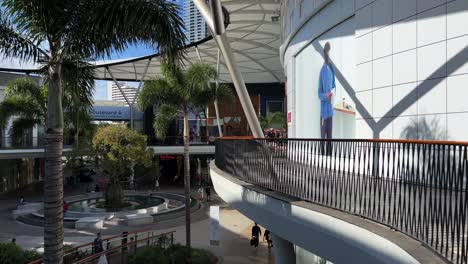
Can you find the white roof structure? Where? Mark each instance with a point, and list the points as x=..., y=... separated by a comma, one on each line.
x=254, y=39
x=254, y=36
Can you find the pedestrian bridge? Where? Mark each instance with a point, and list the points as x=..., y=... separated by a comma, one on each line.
x=351, y=201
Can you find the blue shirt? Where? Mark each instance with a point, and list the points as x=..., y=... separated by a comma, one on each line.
x=326, y=84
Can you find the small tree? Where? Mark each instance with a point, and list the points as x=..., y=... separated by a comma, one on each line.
x=121, y=148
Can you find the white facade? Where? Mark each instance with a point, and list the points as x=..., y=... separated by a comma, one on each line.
x=401, y=64
x=195, y=26
x=114, y=93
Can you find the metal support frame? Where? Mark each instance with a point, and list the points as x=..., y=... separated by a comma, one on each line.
x=131, y=104
x=198, y=53
x=123, y=94
x=233, y=69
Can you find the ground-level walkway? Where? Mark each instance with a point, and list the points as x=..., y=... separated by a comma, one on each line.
x=234, y=232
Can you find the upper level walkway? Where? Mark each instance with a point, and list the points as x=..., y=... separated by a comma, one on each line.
x=415, y=187
x=38, y=151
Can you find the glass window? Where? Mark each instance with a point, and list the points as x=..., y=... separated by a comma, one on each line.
x=274, y=106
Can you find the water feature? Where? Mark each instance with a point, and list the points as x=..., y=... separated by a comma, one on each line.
x=95, y=205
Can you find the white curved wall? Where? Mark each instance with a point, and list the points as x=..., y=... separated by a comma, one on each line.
x=403, y=64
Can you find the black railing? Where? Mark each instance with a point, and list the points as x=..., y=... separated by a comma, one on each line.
x=416, y=187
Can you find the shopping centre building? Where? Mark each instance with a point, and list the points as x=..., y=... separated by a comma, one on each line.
x=400, y=65
x=384, y=180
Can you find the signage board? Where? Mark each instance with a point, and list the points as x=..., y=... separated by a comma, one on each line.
x=117, y=113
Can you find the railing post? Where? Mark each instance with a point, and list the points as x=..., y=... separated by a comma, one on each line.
x=172, y=239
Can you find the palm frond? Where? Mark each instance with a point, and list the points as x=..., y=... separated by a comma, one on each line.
x=27, y=88
x=18, y=105
x=159, y=91
x=78, y=84
x=224, y=94
x=101, y=27
x=19, y=126
x=164, y=115
x=199, y=75
x=14, y=45
x=40, y=20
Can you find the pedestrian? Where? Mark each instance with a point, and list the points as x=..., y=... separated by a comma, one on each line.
x=22, y=201
x=97, y=244
x=65, y=207
x=267, y=237
x=208, y=193
x=97, y=188
x=13, y=241
x=256, y=233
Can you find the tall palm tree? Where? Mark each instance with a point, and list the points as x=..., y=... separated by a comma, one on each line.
x=25, y=100
x=61, y=35
x=178, y=93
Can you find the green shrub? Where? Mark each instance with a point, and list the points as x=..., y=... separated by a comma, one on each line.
x=176, y=254
x=200, y=256
x=13, y=254
x=32, y=255
x=73, y=255
x=149, y=255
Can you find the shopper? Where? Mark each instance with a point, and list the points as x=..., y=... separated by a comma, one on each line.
x=256, y=233
x=97, y=244
x=267, y=237
x=208, y=192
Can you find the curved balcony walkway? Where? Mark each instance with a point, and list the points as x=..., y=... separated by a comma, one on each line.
x=418, y=188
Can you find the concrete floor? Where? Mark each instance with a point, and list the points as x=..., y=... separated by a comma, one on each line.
x=234, y=244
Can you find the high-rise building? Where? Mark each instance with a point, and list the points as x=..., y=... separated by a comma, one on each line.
x=195, y=26
x=114, y=93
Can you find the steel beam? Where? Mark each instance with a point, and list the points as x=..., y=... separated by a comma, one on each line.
x=233, y=69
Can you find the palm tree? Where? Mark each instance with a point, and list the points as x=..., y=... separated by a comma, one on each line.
x=72, y=32
x=275, y=120
x=218, y=93
x=178, y=93
x=25, y=100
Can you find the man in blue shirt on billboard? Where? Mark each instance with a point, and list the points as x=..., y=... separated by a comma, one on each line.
x=326, y=89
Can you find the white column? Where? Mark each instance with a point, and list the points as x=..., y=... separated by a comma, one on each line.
x=283, y=251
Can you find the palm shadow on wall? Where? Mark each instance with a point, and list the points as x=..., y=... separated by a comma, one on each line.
x=424, y=128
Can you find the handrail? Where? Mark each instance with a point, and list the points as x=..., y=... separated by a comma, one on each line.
x=410, y=141
x=111, y=238
x=90, y=244
x=418, y=187
x=105, y=252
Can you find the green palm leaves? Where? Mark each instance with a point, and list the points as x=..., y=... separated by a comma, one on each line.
x=26, y=101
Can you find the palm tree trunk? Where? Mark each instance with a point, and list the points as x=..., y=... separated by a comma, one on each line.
x=220, y=131
x=187, y=178
x=53, y=180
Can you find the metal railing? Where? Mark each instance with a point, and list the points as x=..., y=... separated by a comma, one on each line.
x=127, y=242
x=416, y=187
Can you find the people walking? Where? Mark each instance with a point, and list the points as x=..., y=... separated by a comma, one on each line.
x=208, y=193
x=256, y=233
x=267, y=237
x=97, y=244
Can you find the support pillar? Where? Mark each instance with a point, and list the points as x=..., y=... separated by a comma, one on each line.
x=283, y=251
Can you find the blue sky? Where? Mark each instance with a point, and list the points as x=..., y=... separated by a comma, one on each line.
x=132, y=51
